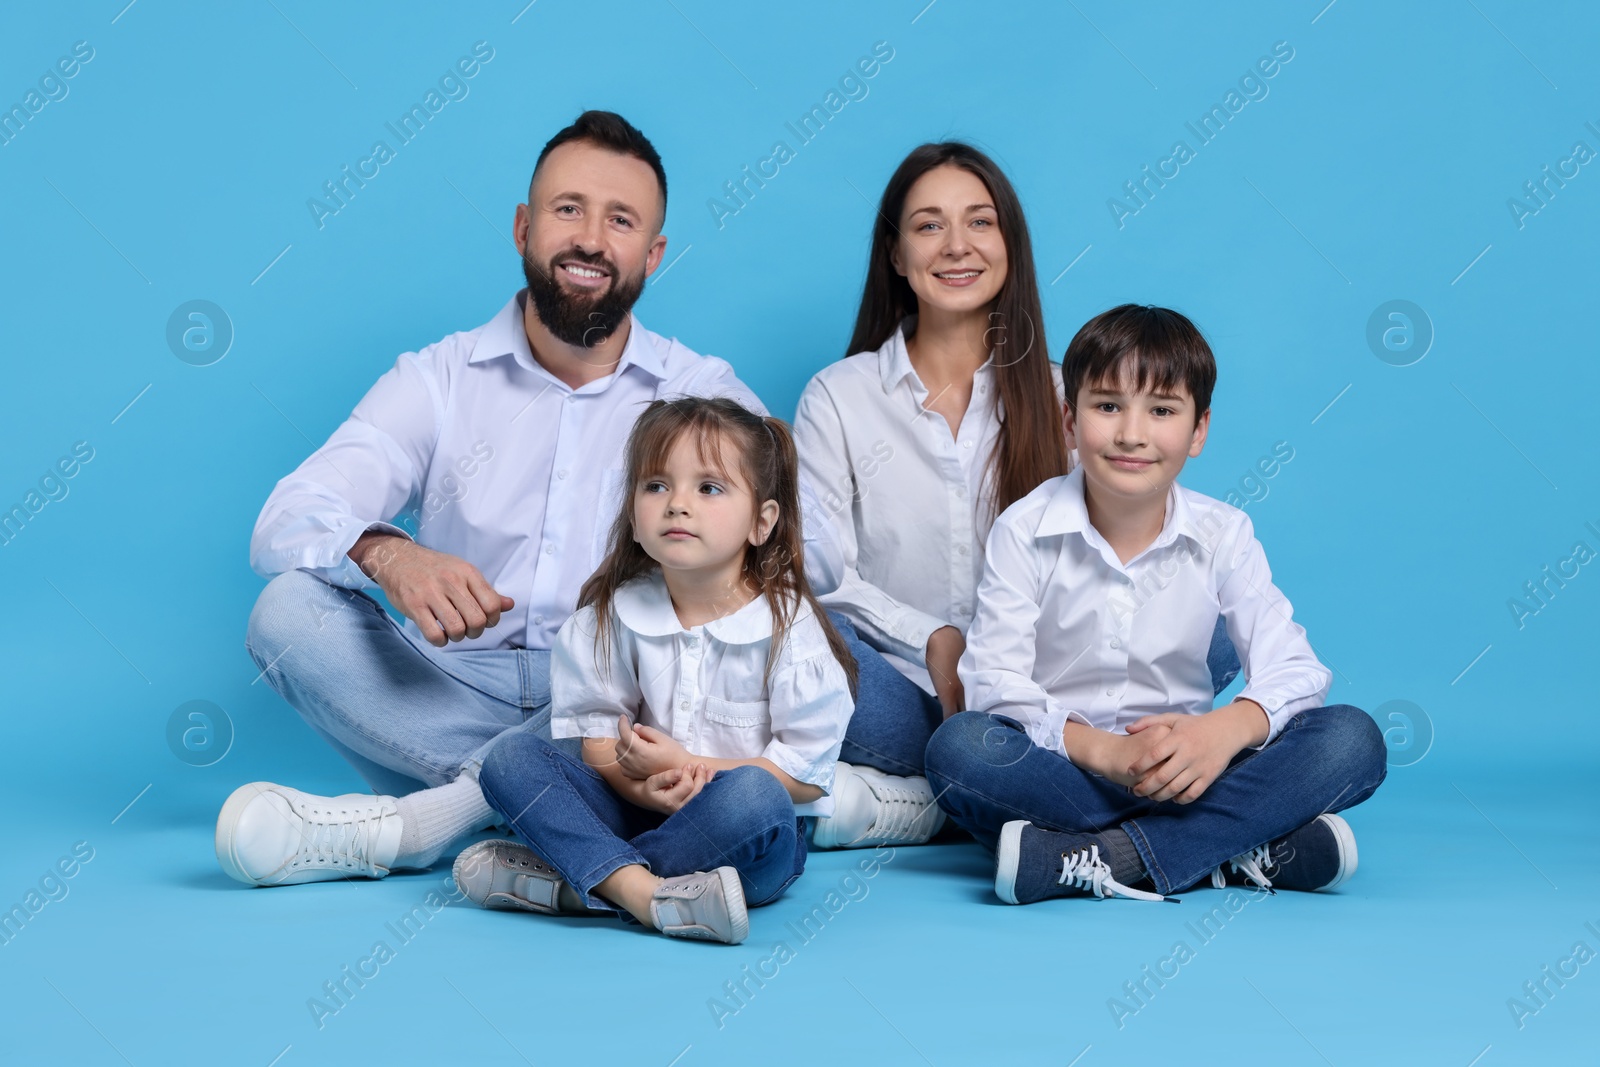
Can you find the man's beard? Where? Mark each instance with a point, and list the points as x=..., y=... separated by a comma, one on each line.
x=578, y=319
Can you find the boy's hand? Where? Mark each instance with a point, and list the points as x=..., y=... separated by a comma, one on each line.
x=1111, y=755
x=1195, y=749
x=672, y=789
x=643, y=751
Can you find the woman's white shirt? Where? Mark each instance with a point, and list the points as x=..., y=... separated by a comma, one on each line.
x=705, y=686
x=908, y=499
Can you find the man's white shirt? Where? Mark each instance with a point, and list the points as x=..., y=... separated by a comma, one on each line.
x=1066, y=631
x=476, y=450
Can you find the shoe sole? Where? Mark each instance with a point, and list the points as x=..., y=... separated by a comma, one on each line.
x=228, y=823
x=1345, y=838
x=1008, y=857
x=733, y=893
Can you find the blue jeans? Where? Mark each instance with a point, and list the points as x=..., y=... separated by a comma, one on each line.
x=404, y=715
x=986, y=773
x=895, y=717
x=743, y=818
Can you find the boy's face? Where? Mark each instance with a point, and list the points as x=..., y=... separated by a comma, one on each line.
x=1133, y=444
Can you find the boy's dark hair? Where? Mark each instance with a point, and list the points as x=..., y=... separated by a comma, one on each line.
x=1156, y=347
x=607, y=129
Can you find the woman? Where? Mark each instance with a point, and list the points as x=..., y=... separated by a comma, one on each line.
x=948, y=412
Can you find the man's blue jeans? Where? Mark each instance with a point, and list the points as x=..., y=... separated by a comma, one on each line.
x=895, y=717
x=986, y=772
x=743, y=818
x=404, y=714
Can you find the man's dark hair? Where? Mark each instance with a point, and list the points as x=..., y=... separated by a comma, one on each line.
x=1157, y=348
x=609, y=130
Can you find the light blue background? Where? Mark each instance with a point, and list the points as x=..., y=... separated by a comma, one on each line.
x=1419, y=501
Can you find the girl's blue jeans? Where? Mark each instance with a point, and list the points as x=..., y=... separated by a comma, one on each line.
x=743, y=818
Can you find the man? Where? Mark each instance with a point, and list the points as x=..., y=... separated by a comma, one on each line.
x=508, y=442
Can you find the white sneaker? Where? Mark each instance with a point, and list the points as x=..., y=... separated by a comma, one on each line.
x=704, y=906
x=273, y=835
x=872, y=808
x=510, y=875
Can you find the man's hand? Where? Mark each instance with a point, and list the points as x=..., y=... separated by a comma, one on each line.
x=945, y=646
x=1195, y=749
x=447, y=597
x=643, y=751
x=672, y=789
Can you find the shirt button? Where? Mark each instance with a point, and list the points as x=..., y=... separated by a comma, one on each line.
x=983, y=388
x=538, y=620
x=549, y=550
x=562, y=473
x=961, y=550
x=684, y=704
x=966, y=444
x=1111, y=692
x=1115, y=643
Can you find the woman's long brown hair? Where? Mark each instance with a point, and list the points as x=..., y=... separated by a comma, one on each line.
x=1032, y=446
x=768, y=464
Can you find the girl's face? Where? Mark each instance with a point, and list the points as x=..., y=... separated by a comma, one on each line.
x=950, y=248
x=695, y=517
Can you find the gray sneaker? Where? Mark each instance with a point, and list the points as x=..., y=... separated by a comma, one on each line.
x=510, y=875
x=706, y=906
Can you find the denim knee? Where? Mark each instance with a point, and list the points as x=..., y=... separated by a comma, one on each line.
x=1354, y=744
x=515, y=758
x=973, y=736
x=755, y=792
x=286, y=608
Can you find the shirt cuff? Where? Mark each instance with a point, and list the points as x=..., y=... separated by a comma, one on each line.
x=345, y=571
x=1279, y=712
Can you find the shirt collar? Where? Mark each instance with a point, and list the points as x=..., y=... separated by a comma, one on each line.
x=504, y=335
x=1068, y=512
x=645, y=607
x=894, y=360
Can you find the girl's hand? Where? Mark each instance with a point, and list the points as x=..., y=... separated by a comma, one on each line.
x=945, y=646
x=1196, y=749
x=643, y=751
x=672, y=789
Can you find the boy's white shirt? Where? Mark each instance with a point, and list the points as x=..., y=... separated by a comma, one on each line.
x=1066, y=631
x=704, y=685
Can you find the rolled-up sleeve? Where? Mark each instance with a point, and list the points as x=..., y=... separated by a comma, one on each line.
x=365, y=473
x=1282, y=672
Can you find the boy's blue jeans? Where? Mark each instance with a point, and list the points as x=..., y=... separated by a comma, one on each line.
x=895, y=716
x=743, y=818
x=404, y=714
x=986, y=772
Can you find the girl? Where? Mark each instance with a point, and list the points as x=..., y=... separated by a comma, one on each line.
x=709, y=689
x=949, y=411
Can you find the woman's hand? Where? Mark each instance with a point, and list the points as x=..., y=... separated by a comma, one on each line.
x=945, y=646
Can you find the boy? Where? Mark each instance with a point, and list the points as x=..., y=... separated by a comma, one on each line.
x=1093, y=759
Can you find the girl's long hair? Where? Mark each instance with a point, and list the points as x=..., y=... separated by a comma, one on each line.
x=1032, y=446
x=768, y=464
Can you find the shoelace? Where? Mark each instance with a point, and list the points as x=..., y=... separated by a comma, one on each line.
x=900, y=809
x=336, y=839
x=1086, y=870
x=1251, y=864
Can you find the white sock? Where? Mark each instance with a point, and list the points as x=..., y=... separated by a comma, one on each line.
x=431, y=819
